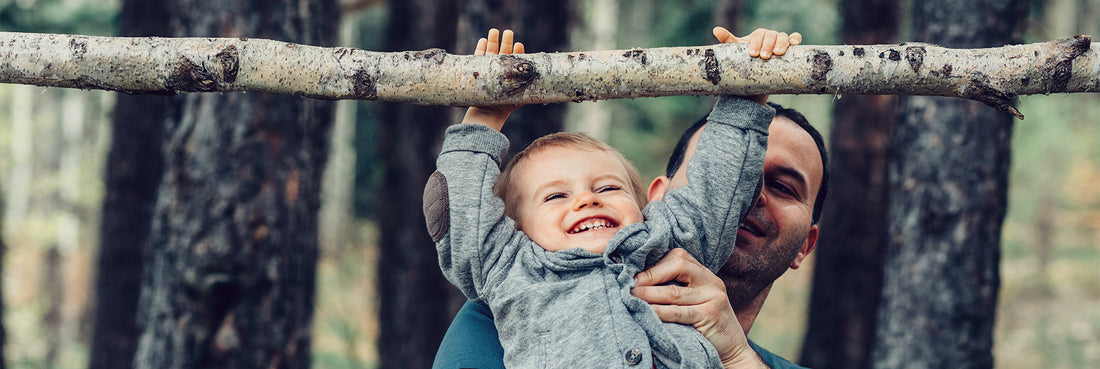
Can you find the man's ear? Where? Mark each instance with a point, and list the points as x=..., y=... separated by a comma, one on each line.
x=807, y=247
x=657, y=188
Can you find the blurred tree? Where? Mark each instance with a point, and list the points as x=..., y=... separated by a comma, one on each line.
x=727, y=13
x=847, y=278
x=3, y=250
x=948, y=177
x=416, y=301
x=596, y=29
x=230, y=275
x=134, y=168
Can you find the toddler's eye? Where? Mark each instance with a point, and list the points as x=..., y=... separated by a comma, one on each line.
x=553, y=196
x=608, y=188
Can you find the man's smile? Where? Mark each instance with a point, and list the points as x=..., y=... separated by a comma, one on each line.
x=752, y=228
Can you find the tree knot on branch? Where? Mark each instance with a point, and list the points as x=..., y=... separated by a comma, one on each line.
x=363, y=85
x=979, y=89
x=190, y=77
x=79, y=48
x=518, y=74
x=710, y=67
x=1060, y=65
x=821, y=63
x=229, y=60
x=915, y=56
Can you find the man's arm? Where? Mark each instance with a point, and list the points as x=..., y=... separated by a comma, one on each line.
x=698, y=300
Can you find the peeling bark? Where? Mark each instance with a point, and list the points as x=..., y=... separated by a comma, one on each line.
x=433, y=77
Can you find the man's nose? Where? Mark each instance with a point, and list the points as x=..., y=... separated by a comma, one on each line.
x=761, y=197
x=585, y=199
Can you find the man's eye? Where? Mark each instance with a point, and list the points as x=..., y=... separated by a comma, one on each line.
x=782, y=188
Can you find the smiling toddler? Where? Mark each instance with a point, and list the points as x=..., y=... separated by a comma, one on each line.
x=552, y=243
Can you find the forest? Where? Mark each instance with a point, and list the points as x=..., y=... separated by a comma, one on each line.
x=247, y=230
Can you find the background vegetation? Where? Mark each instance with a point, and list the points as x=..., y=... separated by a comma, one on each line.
x=53, y=144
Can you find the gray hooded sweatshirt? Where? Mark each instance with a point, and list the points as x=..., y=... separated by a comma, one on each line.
x=573, y=308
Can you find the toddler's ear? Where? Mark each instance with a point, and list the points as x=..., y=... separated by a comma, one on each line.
x=658, y=188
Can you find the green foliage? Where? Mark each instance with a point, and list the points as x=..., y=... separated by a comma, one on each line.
x=84, y=17
x=817, y=20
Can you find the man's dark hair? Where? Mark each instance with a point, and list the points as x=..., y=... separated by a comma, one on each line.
x=677, y=157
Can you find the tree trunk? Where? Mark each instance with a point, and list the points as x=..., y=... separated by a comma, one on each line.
x=847, y=278
x=134, y=169
x=416, y=302
x=233, y=249
x=53, y=287
x=948, y=179
x=727, y=13
x=3, y=251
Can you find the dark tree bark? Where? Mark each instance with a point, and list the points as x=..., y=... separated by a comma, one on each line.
x=134, y=168
x=848, y=267
x=417, y=303
x=948, y=180
x=233, y=248
x=727, y=13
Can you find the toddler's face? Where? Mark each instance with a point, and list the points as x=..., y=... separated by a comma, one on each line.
x=567, y=197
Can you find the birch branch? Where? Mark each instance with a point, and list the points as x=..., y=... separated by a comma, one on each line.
x=153, y=65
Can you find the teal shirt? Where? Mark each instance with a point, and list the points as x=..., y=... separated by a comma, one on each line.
x=472, y=342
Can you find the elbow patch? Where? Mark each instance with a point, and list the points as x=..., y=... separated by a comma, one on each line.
x=437, y=211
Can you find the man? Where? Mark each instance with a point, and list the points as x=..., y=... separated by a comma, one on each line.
x=778, y=233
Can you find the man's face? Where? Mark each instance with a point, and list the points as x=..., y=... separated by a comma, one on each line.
x=568, y=198
x=779, y=232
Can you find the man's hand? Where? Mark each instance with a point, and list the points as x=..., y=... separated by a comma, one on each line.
x=763, y=43
x=699, y=300
x=494, y=115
